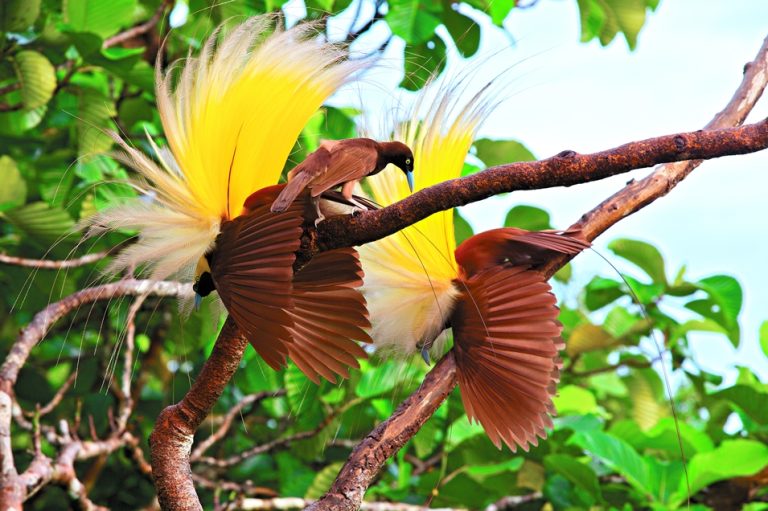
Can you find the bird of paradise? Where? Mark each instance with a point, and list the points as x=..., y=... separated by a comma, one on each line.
x=502, y=312
x=231, y=117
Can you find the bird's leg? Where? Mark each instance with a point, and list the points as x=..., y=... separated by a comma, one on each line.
x=346, y=192
x=316, y=204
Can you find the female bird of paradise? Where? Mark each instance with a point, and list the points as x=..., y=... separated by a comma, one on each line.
x=502, y=312
x=231, y=120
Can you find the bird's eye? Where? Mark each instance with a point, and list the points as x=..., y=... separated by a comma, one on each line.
x=408, y=161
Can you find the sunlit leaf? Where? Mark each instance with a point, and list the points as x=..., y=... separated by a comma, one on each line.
x=499, y=152
x=99, y=17
x=13, y=193
x=643, y=254
x=37, y=78
x=573, y=399
x=587, y=337
x=413, y=20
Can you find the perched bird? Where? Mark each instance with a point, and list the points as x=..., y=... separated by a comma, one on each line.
x=487, y=291
x=344, y=162
x=231, y=120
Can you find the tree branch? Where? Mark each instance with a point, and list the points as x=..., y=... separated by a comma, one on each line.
x=171, y=439
x=369, y=456
x=567, y=168
x=139, y=29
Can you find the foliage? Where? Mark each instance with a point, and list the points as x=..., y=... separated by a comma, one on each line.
x=614, y=445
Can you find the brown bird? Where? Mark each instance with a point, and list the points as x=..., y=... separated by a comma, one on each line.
x=343, y=162
x=315, y=315
x=506, y=336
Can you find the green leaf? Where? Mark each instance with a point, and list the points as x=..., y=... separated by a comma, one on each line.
x=576, y=400
x=733, y=458
x=530, y=218
x=619, y=322
x=463, y=29
x=96, y=112
x=461, y=228
x=18, y=15
x=587, y=337
x=647, y=406
x=564, y=274
x=642, y=254
x=600, y=292
x=576, y=472
x=422, y=62
x=500, y=152
x=618, y=455
x=748, y=399
x=413, y=20
x=37, y=78
x=323, y=481
x=99, y=17
x=605, y=18
x=764, y=337
x=379, y=379
x=13, y=193
x=42, y=223
x=726, y=291
x=499, y=9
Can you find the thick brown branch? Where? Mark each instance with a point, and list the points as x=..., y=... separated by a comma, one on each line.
x=369, y=457
x=171, y=440
x=567, y=168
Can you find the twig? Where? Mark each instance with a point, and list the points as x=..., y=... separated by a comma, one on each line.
x=369, y=457
x=56, y=399
x=45, y=264
x=229, y=418
x=137, y=30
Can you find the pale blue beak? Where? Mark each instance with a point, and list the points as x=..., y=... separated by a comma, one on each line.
x=198, y=301
x=409, y=177
x=425, y=355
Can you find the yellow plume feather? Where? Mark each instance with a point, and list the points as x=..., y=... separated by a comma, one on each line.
x=231, y=121
x=409, y=275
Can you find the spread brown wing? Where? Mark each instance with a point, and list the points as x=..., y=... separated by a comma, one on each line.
x=506, y=343
x=350, y=159
x=252, y=267
x=329, y=314
x=314, y=165
x=535, y=248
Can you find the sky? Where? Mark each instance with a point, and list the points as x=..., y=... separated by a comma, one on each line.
x=584, y=97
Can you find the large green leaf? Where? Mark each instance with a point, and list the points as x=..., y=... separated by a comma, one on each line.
x=643, y=254
x=575, y=400
x=463, y=29
x=413, y=20
x=600, y=292
x=587, y=337
x=37, y=78
x=42, y=223
x=647, y=405
x=18, y=15
x=422, y=62
x=726, y=291
x=530, y=218
x=748, y=399
x=618, y=455
x=733, y=458
x=499, y=152
x=100, y=17
x=13, y=193
x=576, y=472
x=603, y=19
x=96, y=112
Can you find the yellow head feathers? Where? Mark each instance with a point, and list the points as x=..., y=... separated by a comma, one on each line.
x=409, y=275
x=231, y=121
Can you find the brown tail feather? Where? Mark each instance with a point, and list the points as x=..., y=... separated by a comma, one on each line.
x=252, y=267
x=314, y=165
x=329, y=315
x=506, y=344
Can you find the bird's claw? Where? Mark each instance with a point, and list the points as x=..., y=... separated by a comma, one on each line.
x=425, y=355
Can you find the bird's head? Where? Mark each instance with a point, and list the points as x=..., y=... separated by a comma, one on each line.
x=203, y=285
x=401, y=156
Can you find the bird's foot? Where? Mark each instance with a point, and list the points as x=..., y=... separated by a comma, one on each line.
x=425, y=355
x=319, y=218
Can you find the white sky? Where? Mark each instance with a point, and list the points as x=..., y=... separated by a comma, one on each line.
x=569, y=95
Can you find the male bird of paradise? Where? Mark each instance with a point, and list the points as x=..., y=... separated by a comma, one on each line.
x=231, y=121
x=502, y=312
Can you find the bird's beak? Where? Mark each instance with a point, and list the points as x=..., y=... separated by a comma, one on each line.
x=425, y=354
x=409, y=177
x=198, y=301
